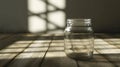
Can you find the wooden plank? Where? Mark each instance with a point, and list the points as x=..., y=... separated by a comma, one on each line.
x=112, y=39
x=34, y=54
x=99, y=60
x=113, y=49
x=9, y=40
x=106, y=53
x=3, y=36
x=56, y=56
x=8, y=53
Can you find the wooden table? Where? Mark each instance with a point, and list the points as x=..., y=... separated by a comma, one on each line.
x=47, y=50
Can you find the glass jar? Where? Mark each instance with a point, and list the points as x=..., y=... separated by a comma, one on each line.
x=79, y=40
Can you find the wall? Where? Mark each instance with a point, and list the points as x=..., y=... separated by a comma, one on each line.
x=105, y=14
x=13, y=15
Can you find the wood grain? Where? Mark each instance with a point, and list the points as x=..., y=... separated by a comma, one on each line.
x=47, y=50
x=105, y=54
x=32, y=56
x=56, y=56
x=5, y=56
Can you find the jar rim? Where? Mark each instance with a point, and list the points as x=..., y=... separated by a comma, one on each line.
x=78, y=19
x=82, y=20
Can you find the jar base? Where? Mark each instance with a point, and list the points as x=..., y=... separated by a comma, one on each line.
x=80, y=56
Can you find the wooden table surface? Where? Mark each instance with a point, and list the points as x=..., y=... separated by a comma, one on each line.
x=47, y=50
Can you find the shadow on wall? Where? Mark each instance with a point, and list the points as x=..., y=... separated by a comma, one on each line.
x=46, y=16
x=33, y=16
x=105, y=14
x=13, y=16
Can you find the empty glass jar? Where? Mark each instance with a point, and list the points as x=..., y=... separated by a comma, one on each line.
x=79, y=40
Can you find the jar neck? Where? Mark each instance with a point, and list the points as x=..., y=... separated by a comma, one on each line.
x=79, y=23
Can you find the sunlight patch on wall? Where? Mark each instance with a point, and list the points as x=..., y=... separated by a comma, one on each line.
x=46, y=15
x=57, y=18
x=36, y=6
x=36, y=24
